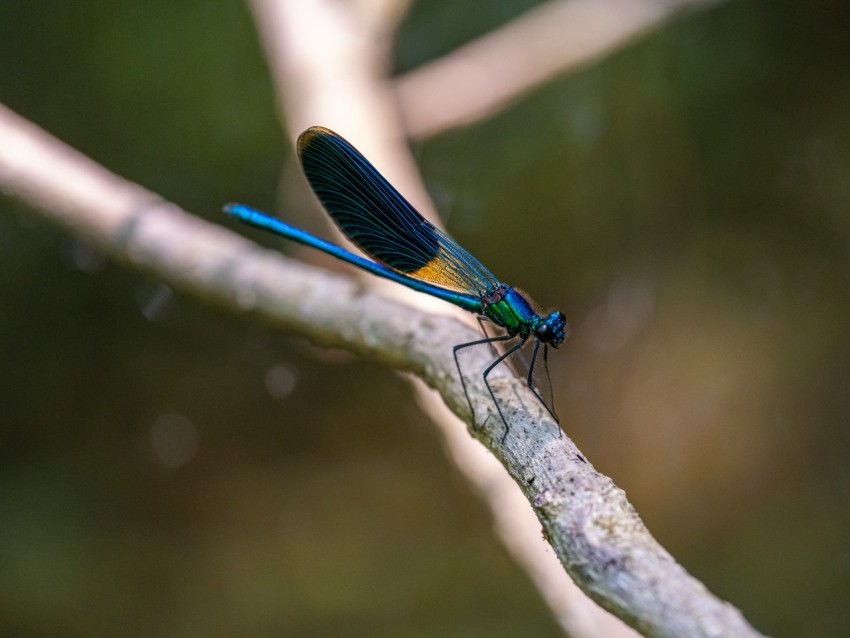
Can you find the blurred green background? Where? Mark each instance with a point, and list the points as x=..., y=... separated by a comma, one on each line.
x=170, y=470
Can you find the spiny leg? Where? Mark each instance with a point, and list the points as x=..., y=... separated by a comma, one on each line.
x=482, y=325
x=477, y=342
x=499, y=360
x=549, y=381
x=530, y=380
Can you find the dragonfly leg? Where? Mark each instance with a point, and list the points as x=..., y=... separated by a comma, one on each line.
x=530, y=380
x=482, y=325
x=477, y=342
x=489, y=369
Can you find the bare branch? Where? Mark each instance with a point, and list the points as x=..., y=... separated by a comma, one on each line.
x=593, y=529
x=330, y=64
x=330, y=61
x=485, y=75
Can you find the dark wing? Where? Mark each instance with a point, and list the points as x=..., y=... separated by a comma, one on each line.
x=382, y=223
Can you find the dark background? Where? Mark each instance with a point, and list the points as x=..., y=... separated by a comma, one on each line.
x=170, y=470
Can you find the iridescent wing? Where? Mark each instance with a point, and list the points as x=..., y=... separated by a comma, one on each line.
x=382, y=223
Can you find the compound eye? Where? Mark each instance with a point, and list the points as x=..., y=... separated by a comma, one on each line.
x=562, y=317
x=544, y=331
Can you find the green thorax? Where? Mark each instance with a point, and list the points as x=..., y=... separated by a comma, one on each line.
x=507, y=308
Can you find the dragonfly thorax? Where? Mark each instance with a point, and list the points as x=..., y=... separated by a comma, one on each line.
x=509, y=309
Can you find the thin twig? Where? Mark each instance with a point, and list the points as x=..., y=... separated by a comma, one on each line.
x=593, y=529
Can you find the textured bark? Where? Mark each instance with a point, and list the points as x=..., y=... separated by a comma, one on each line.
x=595, y=532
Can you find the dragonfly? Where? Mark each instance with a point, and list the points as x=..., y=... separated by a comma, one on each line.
x=410, y=250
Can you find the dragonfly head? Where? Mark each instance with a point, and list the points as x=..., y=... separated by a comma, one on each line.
x=553, y=329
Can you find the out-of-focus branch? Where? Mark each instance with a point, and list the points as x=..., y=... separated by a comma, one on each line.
x=594, y=531
x=330, y=61
x=485, y=75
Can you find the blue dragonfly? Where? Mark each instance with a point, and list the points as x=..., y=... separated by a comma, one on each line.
x=410, y=250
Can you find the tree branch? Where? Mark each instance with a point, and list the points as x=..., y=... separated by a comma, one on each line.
x=335, y=74
x=485, y=75
x=593, y=529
